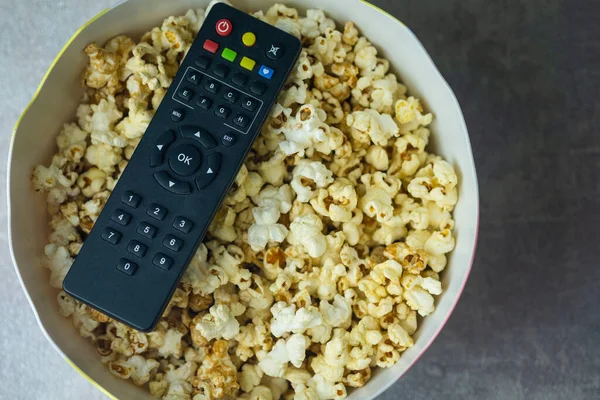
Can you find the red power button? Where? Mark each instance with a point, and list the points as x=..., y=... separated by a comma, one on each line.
x=223, y=27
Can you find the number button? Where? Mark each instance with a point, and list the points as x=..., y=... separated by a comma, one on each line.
x=137, y=248
x=126, y=266
x=162, y=261
x=212, y=86
x=111, y=236
x=131, y=199
x=249, y=104
x=157, y=212
x=121, y=217
x=182, y=224
x=230, y=95
x=173, y=243
x=146, y=230
x=222, y=112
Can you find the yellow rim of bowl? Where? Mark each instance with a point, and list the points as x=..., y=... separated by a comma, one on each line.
x=50, y=68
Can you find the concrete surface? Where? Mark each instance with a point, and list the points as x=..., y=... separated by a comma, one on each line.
x=525, y=72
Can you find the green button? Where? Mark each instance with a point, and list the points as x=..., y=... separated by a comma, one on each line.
x=229, y=54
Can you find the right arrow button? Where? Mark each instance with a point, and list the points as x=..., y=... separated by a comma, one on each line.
x=209, y=171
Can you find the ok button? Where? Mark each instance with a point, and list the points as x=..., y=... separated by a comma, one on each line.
x=184, y=159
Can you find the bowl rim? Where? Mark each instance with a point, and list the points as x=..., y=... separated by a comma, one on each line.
x=454, y=103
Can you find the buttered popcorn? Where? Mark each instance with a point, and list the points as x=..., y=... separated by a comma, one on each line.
x=326, y=250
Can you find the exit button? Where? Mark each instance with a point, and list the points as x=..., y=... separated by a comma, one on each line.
x=228, y=139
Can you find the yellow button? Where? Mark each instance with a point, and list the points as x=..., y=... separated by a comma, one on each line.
x=249, y=39
x=248, y=63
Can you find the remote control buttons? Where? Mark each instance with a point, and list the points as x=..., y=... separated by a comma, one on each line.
x=111, y=236
x=230, y=95
x=177, y=115
x=266, y=72
x=257, y=88
x=202, y=62
x=228, y=139
x=193, y=77
x=241, y=120
x=239, y=79
x=203, y=137
x=222, y=112
x=250, y=104
x=274, y=51
x=210, y=171
x=229, y=54
x=185, y=94
x=131, y=199
x=212, y=86
x=157, y=212
x=146, y=230
x=126, y=266
x=204, y=103
x=171, y=184
x=121, y=217
x=184, y=159
x=221, y=71
x=172, y=243
x=162, y=261
x=248, y=63
x=136, y=248
x=182, y=224
x=223, y=27
x=249, y=39
x=160, y=148
x=211, y=46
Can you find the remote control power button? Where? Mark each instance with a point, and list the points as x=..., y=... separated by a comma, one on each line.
x=171, y=184
x=224, y=27
x=184, y=159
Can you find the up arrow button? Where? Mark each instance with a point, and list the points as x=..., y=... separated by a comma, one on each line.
x=199, y=135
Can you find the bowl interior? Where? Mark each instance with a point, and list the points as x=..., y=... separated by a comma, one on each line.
x=57, y=99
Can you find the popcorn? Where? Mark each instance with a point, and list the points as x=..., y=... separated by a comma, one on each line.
x=409, y=114
x=288, y=319
x=306, y=231
x=324, y=251
x=369, y=126
x=136, y=367
x=217, y=372
x=219, y=324
x=272, y=203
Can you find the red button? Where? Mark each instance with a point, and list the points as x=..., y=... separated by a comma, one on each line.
x=223, y=27
x=211, y=46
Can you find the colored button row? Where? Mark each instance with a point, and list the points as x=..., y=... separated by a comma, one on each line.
x=246, y=63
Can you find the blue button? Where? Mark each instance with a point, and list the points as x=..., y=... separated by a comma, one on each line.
x=265, y=72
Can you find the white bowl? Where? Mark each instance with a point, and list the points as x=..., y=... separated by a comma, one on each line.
x=59, y=93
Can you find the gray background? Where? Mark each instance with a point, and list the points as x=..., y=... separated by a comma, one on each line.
x=527, y=76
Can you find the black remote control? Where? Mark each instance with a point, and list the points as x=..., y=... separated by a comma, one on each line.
x=159, y=211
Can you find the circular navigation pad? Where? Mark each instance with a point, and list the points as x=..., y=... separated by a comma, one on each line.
x=184, y=159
